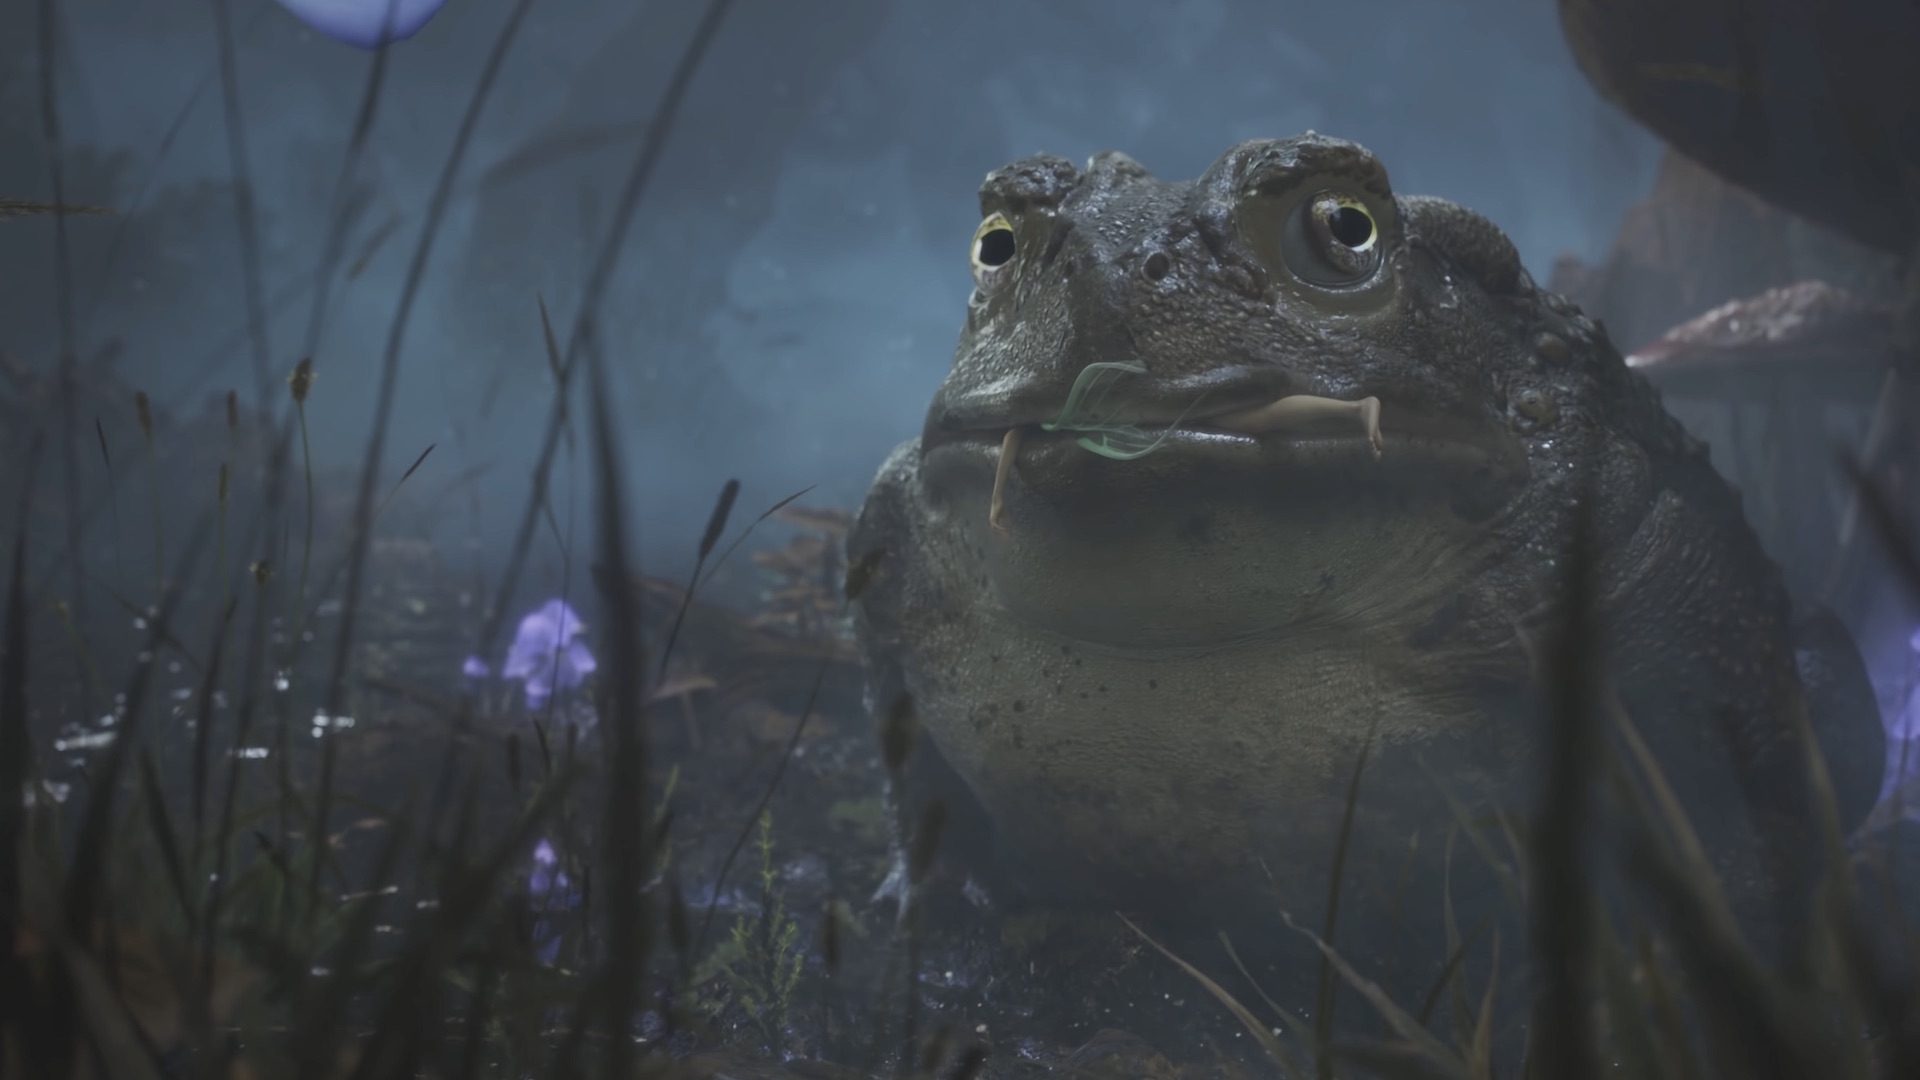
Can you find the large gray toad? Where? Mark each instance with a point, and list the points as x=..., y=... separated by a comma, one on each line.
x=1230, y=473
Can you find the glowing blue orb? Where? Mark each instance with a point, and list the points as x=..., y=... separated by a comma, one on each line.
x=367, y=24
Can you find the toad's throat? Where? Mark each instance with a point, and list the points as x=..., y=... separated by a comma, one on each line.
x=1292, y=412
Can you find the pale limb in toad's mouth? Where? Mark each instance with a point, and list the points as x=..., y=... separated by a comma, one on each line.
x=997, y=508
x=1301, y=410
x=1124, y=442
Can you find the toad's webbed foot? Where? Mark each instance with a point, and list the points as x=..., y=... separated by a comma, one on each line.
x=960, y=876
x=899, y=889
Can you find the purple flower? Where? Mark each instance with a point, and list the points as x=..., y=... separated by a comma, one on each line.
x=1900, y=713
x=1904, y=724
x=548, y=654
x=368, y=24
x=475, y=668
x=547, y=875
x=550, y=891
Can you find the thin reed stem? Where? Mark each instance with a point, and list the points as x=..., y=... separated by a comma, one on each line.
x=153, y=485
x=306, y=547
x=220, y=541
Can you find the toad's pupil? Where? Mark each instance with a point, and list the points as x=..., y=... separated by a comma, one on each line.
x=996, y=247
x=1351, y=226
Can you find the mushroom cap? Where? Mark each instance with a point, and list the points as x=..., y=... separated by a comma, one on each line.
x=1812, y=106
x=1809, y=328
x=681, y=686
x=801, y=557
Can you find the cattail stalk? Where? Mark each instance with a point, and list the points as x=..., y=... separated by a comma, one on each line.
x=143, y=410
x=113, y=502
x=220, y=542
x=233, y=437
x=301, y=383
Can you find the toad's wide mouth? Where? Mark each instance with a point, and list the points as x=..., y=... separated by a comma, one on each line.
x=1289, y=430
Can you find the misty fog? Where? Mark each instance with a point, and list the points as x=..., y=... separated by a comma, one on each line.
x=795, y=278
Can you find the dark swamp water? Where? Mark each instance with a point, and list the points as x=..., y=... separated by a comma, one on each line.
x=388, y=696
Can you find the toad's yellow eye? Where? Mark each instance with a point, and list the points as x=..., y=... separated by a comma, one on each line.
x=1332, y=241
x=992, y=245
x=1348, y=223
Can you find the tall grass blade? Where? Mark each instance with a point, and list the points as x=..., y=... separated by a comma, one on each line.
x=87, y=876
x=69, y=391
x=1262, y=1033
x=1669, y=1023
x=154, y=169
x=113, y=502
x=1292, y=1022
x=322, y=1006
x=748, y=531
x=336, y=686
x=1563, y=914
x=161, y=824
x=1412, y=1033
x=466, y=896
x=613, y=246
x=625, y=837
x=760, y=807
x=339, y=217
x=16, y=756
x=203, y=731
x=245, y=216
x=1448, y=970
x=1629, y=1033
x=1480, y=1055
x=1885, y=520
x=1748, y=1022
x=404, y=477
x=1323, y=1011
x=252, y=677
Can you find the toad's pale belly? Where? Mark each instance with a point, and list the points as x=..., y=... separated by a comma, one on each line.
x=1046, y=677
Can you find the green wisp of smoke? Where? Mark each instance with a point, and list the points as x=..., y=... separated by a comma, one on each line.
x=1097, y=427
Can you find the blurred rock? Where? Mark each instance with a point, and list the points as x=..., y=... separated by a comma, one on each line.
x=1696, y=242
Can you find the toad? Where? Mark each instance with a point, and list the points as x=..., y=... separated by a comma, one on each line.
x=1231, y=477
